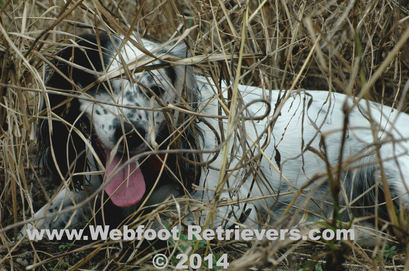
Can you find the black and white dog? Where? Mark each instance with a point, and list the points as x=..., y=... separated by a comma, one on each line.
x=144, y=132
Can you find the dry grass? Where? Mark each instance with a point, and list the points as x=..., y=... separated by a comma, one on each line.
x=355, y=47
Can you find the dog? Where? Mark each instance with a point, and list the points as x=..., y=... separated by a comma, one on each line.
x=136, y=134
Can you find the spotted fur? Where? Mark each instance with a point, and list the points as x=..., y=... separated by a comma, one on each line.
x=274, y=159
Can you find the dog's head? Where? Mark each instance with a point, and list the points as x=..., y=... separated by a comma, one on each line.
x=120, y=117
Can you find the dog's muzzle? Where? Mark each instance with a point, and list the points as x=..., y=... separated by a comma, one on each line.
x=131, y=137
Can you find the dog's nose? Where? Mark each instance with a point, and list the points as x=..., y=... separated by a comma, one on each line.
x=133, y=134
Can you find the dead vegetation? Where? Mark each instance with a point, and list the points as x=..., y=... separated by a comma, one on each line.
x=355, y=47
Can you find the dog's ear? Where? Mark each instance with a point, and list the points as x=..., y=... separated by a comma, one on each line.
x=192, y=135
x=63, y=147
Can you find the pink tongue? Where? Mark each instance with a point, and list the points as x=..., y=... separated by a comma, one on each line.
x=127, y=186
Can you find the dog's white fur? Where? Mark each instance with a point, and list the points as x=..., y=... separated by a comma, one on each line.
x=289, y=153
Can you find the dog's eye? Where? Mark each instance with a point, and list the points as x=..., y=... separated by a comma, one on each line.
x=157, y=90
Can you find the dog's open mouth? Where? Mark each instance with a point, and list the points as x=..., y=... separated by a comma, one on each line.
x=124, y=181
x=126, y=184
